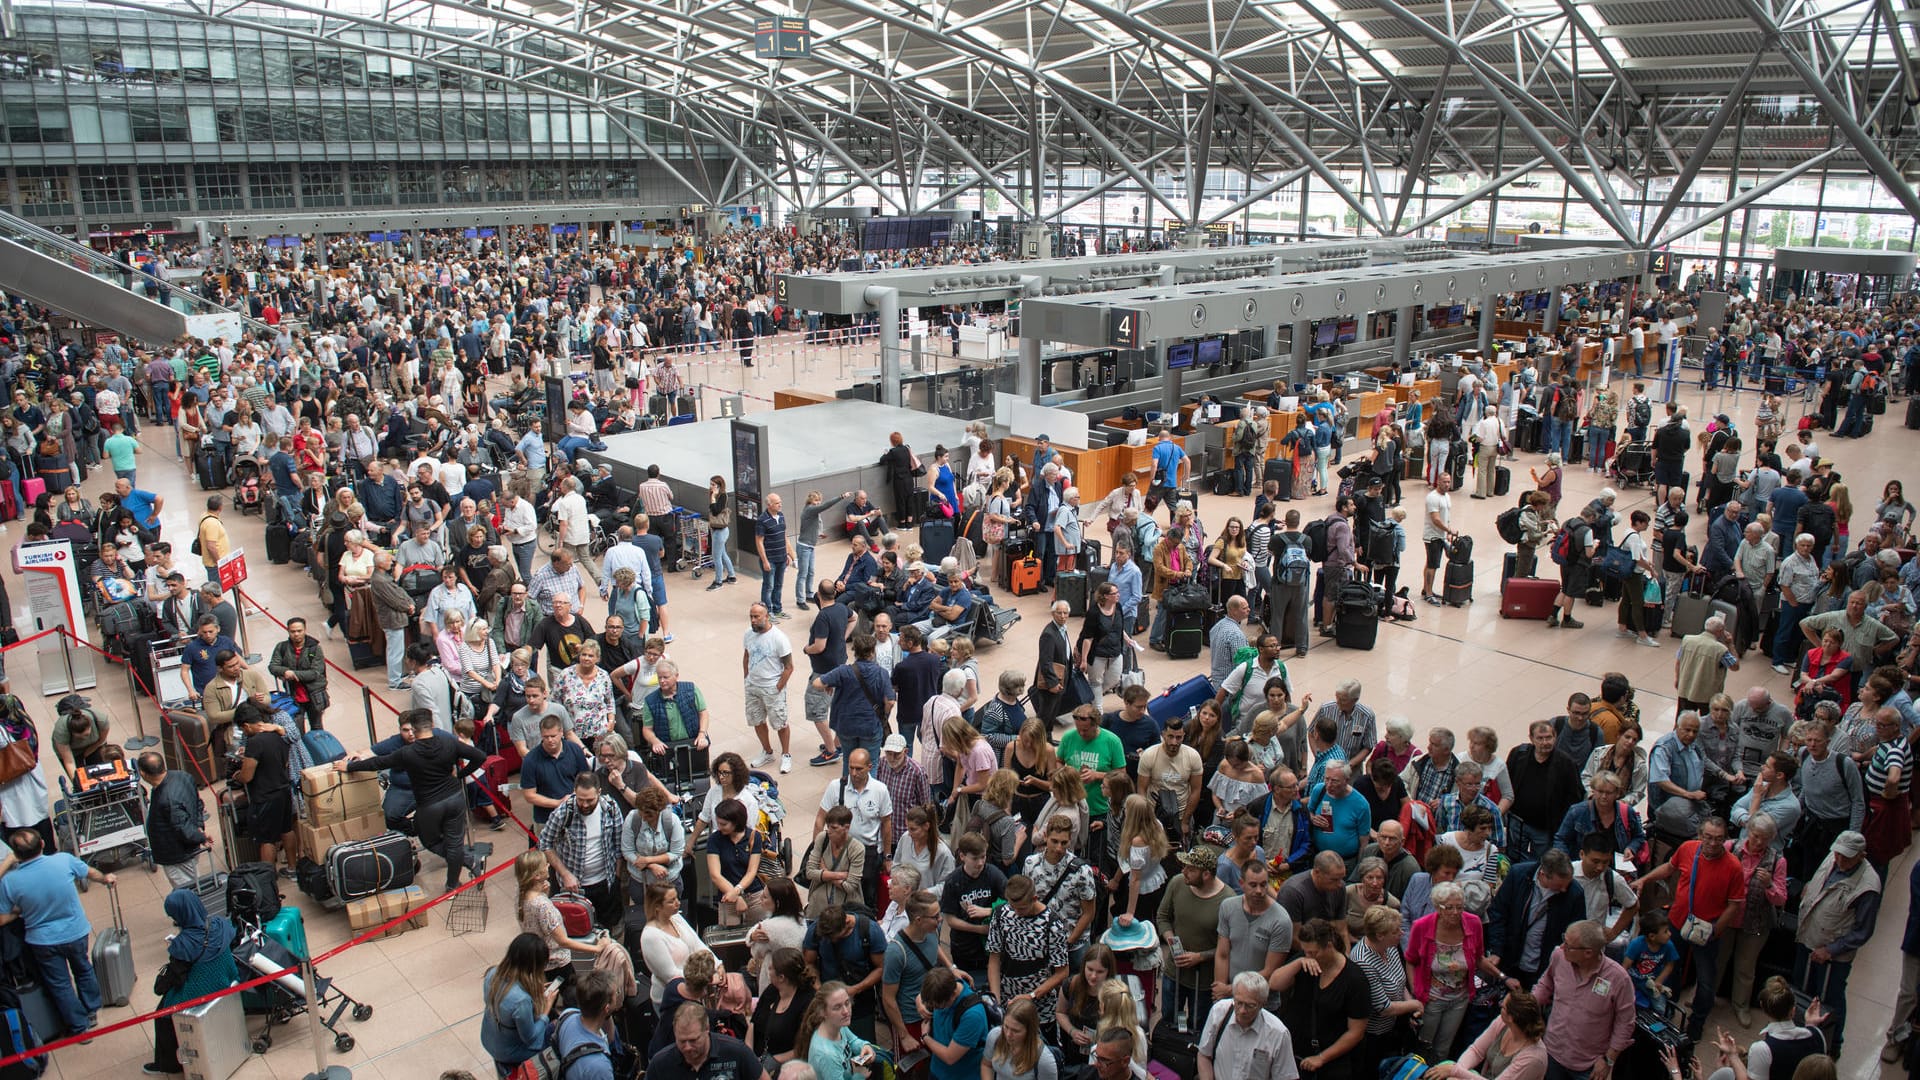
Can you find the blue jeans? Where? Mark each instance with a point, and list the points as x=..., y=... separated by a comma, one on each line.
x=1856, y=415
x=723, y=567
x=128, y=476
x=523, y=558
x=1597, y=446
x=1550, y=434
x=1243, y=474
x=1828, y=982
x=869, y=743
x=1525, y=842
x=1706, y=979
x=1157, y=633
x=770, y=581
x=572, y=444
x=1786, y=640
x=1564, y=444
x=397, y=806
x=802, y=574
x=65, y=969
x=396, y=651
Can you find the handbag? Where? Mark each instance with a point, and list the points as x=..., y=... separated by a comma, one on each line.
x=17, y=759
x=1695, y=931
x=1130, y=670
x=1077, y=692
x=1651, y=594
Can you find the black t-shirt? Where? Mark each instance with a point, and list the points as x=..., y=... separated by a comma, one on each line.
x=1319, y=1017
x=562, y=643
x=474, y=561
x=1672, y=540
x=830, y=624
x=269, y=750
x=775, y=1032
x=1385, y=808
x=970, y=950
x=433, y=764
x=727, y=1059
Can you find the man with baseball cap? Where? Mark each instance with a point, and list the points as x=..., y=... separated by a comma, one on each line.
x=1839, y=907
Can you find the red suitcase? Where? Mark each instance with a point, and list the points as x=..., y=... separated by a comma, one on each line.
x=1528, y=598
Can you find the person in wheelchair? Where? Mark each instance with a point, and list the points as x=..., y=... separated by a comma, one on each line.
x=112, y=578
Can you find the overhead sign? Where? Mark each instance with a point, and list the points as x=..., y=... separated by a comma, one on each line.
x=1123, y=327
x=782, y=39
x=232, y=568
x=1660, y=262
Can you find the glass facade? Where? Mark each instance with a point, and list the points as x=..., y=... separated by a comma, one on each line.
x=132, y=115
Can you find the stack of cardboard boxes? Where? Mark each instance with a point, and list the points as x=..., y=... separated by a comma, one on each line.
x=343, y=808
x=369, y=912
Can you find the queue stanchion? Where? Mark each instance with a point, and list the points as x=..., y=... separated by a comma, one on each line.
x=366, y=704
x=316, y=1034
x=142, y=740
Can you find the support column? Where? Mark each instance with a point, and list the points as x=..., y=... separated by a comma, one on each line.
x=888, y=302
x=1169, y=381
x=1402, y=337
x=1302, y=351
x=1027, y=379
x=1489, y=305
x=1551, y=322
x=553, y=241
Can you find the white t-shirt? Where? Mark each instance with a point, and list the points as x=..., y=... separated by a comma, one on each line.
x=766, y=654
x=1636, y=546
x=1437, y=503
x=869, y=807
x=593, y=868
x=571, y=509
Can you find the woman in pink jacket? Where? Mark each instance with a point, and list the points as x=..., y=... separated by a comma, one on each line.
x=1444, y=950
x=1510, y=1048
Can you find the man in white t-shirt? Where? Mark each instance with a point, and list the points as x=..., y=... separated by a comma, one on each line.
x=1437, y=532
x=1669, y=340
x=1486, y=454
x=767, y=661
x=1636, y=341
x=1611, y=902
x=576, y=529
x=1175, y=768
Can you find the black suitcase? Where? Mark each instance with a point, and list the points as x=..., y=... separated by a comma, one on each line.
x=1096, y=576
x=1190, y=496
x=300, y=548
x=1459, y=587
x=1222, y=483
x=936, y=541
x=1356, y=617
x=1280, y=471
x=365, y=654
x=1071, y=586
x=1186, y=634
x=1502, y=479
x=1579, y=445
x=185, y=744
x=1090, y=554
x=365, y=867
x=1461, y=550
x=1175, y=1047
x=1913, y=413
x=279, y=543
x=253, y=892
x=1526, y=434
x=213, y=470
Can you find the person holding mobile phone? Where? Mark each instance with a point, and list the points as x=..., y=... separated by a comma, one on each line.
x=513, y=1026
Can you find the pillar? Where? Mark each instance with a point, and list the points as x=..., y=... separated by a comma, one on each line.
x=1489, y=307
x=1551, y=322
x=1403, y=336
x=553, y=241
x=887, y=300
x=1302, y=351
x=1027, y=379
x=1169, y=383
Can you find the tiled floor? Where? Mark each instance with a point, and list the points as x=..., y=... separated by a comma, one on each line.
x=1453, y=667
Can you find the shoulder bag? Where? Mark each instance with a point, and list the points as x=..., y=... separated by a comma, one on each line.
x=1695, y=931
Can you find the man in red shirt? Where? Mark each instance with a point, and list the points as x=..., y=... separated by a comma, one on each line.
x=1710, y=887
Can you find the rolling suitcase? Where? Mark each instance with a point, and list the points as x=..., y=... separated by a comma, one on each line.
x=1356, y=616
x=1690, y=613
x=1025, y=577
x=1186, y=634
x=364, y=655
x=1459, y=587
x=1502, y=480
x=211, y=887
x=113, y=957
x=936, y=540
x=323, y=747
x=36, y=1005
x=186, y=745
x=365, y=867
x=1180, y=699
x=1913, y=413
x=1071, y=586
x=1528, y=598
x=279, y=545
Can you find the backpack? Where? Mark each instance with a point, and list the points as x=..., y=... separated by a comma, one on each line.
x=995, y=1014
x=1562, y=547
x=1382, y=543
x=1294, y=567
x=17, y=1035
x=1508, y=525
x=1639, y=412
x=1245, y=437
x=550, y=1063
x=1563, y=405
x=1317, y=541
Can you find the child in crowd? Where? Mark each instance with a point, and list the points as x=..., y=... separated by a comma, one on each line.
x=1651, y=960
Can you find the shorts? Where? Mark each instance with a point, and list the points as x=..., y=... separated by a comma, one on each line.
x=1436, y=551
x=819, y=704
x=1573, y=579
x=271, y=819
x=767, y=707
x=1668, y=473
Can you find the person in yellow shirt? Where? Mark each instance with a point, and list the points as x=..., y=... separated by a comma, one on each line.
x=211, y=538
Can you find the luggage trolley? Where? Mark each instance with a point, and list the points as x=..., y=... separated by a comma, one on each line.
x=696, y=540
x=101, y=818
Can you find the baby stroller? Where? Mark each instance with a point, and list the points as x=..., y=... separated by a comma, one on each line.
x=246, y=486
x=1633, y=464
x=280, y=942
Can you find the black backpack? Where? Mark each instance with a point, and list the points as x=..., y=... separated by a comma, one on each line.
x=1317, y=540
x=1508, y=525
x=1382, y=542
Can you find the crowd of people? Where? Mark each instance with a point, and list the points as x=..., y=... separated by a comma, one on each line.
x=1035, y=873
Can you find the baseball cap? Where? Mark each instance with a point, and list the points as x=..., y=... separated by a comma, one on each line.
x=1849, y=843
x=895, y=743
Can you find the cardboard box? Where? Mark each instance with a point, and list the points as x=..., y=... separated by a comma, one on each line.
x=364, y=913
x=397, y=902
x=334, y=797
x=316, y=840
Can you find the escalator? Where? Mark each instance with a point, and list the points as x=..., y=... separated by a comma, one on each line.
x=95, y=290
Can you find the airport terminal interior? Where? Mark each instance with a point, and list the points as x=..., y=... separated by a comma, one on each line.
x=1383, y=519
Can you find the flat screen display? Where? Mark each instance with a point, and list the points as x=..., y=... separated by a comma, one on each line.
x=1323, y=333
x=1180, y=356
x=1349, y=331
x=1457, y=315
x=1209, y=351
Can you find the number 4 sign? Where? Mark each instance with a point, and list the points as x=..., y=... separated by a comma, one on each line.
x=1123, y=328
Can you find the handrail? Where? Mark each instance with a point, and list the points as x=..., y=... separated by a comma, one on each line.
x=52, y=244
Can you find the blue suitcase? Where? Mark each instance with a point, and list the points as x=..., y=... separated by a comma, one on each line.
x=323, y=747
x=1181, y=699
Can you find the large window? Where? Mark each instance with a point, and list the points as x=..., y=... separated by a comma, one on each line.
x=219, y=187
x=104, y=189
x=321, y=185
x=159, y=123
x=272, y=186
x=418, y=184
x=370, y=183
x=45, y=191
x=164, y=187
x=29, y=122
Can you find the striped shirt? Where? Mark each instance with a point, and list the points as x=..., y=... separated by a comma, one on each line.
x=1886, y=757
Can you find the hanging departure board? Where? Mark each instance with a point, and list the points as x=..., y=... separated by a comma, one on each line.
x=782, y=39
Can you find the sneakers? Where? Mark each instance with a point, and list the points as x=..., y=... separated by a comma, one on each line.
x=150, y=1069
x=499, y=822
x=1649, y=641
x=1572, y=623
x=1892, y=1052
x=1432, y=599
x=786, y=763
x=715, y=586
x=1744, y=1015
x=1623, y=632
x=1782, y=669
x=1553, y=620
x=826, y=757
x=762, y=761
x=403, y=684
x=801, y=605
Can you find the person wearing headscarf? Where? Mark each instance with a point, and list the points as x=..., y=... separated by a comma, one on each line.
x=199, y=962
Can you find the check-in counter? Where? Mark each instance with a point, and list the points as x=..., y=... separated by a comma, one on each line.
x=1364, y=407
x=1098, y=470
x=790, y=399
